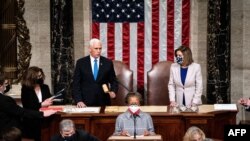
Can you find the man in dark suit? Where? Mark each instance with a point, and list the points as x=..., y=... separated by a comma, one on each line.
x=11, y=113
x=91, y=73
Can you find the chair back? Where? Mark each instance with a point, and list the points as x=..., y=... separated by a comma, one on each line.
x=157, y=86
x=125, y=82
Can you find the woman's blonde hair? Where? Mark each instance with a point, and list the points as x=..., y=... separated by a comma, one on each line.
x=189, y=135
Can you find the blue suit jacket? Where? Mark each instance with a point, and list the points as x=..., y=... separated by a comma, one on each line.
x=89, y=90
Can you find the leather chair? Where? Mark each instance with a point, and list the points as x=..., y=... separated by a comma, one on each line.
x=157, y=86
x=125, y=82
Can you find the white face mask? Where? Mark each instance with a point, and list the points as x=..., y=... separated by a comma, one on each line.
x=134, y=109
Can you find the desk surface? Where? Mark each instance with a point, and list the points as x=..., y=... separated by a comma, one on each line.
x=71, y=109
x=140, y=138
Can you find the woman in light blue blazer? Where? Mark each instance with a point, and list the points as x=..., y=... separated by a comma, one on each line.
x=185, y=81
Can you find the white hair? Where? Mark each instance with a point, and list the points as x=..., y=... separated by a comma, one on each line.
x=66, y=124
x=92, y=41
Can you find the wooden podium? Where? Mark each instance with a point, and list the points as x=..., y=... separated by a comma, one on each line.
x=139, y=138
x=171, y=126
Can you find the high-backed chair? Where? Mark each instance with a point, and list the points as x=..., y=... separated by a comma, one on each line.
x=157, y=84
x=125, y=82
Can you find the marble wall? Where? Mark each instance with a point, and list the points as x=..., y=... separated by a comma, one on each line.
x=37, y=16
x=218, y=51
x=62, y=47
x=198, y=40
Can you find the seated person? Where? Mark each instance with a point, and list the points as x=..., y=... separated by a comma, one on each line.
x=69, y=133
x=195, y=134
x=245, y=102
x=11, y=134
x=125, y=122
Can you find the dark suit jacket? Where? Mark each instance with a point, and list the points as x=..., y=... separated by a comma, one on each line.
x=29, y=98
x=89, y=90
x=11, y=113
x=80, y=135
x=32, y=127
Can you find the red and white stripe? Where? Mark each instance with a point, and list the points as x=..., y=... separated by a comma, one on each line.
x=140, y=45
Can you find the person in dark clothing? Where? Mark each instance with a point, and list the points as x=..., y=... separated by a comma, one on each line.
x=34, y=95
x=11, y=113
x=69, y=133
x=91, y=73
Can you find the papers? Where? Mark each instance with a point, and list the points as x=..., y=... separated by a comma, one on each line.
x=73, y=109
x=137, y=136
x=122, y=138
x=206, y=108
x=51, y=108
x=55, y=96
x=225, y=107
x=216, y=107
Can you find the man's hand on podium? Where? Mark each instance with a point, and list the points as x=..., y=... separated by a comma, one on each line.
x=80, y=105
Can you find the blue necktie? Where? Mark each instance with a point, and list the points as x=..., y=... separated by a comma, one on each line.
x=95, y=69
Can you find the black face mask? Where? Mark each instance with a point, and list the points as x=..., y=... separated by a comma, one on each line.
x=7, y=89
x=39, y=81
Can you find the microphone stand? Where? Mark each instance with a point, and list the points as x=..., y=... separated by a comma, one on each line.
x=134, y=126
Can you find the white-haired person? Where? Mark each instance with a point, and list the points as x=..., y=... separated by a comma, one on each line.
x=91, y=73
x=68, y=132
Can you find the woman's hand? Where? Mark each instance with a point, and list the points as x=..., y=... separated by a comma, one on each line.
x=146, y=133
x=124, y=133
x=173, y=104
x=47, y=102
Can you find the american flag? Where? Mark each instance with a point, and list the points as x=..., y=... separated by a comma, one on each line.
x=141, y=32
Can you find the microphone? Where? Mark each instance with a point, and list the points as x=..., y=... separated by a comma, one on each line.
x=134, y=115
x=57, y=100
